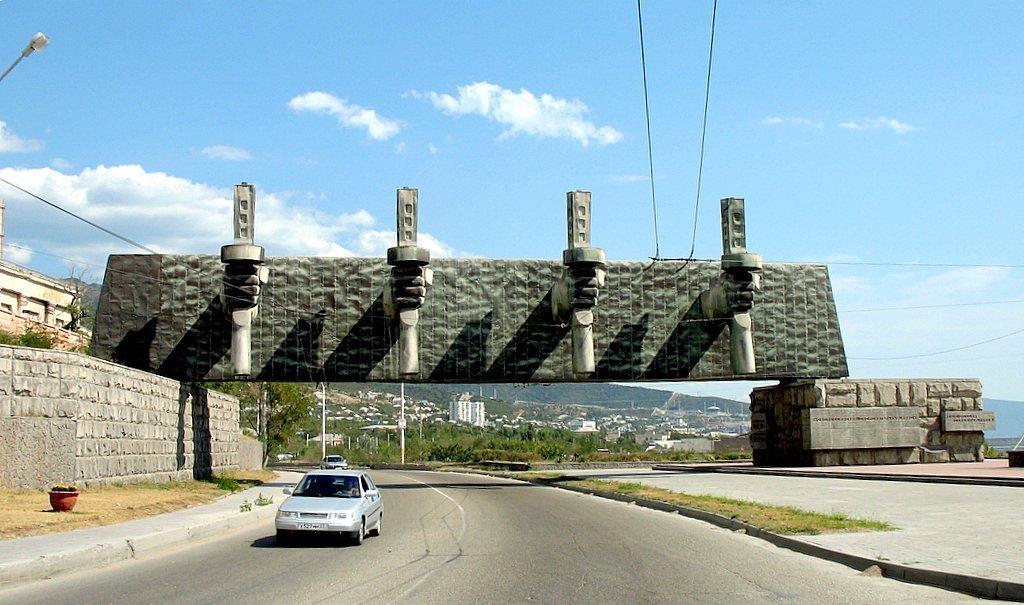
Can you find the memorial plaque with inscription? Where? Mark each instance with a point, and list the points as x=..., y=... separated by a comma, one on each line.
x=758, y=431
x=968, y=421
x=861, y=428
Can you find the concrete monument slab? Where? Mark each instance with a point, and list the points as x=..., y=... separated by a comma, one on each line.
x=861, y=428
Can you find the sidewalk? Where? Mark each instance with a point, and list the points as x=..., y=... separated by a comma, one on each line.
x=38, y=557
x=959, y=525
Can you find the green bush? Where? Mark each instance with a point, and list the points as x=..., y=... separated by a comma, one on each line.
x=31, y=337
x=228, y=484
x=451, y=453
x=991, y=452
x=551, y=451
x=36, y=339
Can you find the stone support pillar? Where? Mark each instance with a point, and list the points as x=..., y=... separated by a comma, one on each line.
x=871, y=421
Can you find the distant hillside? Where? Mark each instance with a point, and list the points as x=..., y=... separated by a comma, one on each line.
x=1009, y=417
x=596, y=394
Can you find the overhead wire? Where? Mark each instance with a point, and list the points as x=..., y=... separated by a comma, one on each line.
x=703, y=135
x=943, y=306
x=268, y=300
x=912, y=264
x=943, y=352
x=650, y=146
x=83, y=219
x=704, y=128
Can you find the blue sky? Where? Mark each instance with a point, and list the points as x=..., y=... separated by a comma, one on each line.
x=882, y=138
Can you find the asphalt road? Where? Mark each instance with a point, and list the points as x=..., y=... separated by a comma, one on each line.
x=453, y=538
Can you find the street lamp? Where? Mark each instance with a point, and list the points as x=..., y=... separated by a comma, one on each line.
x=38, y=42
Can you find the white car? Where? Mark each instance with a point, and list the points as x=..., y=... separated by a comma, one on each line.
x=334, y=461
x=339, y=502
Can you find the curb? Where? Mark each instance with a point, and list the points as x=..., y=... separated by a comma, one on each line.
x=972, y=585
x=58, y=563
x=992, y=481
x=121, y=549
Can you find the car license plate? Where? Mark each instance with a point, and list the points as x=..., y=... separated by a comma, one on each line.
x=312, y=526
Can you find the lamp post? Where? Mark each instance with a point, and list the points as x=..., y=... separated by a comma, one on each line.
x=322, y=396
x=38, y=42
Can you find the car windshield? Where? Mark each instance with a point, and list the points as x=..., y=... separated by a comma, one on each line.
x=335, y=459
x=326, y=486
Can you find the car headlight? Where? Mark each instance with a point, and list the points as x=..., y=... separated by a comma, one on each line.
x=345, y=515
x=287, y=514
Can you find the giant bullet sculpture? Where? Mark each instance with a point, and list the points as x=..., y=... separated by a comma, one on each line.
x=410, y=277
x=575, y=295
x=245, y=273
x=731, y=294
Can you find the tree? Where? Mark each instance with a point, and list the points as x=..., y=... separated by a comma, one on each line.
x=81, y=309
x=271, y=409
x=287, y=404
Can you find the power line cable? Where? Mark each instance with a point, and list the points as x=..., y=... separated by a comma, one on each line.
x=965, y=359
x=269, y=300
x=953, y=350
x=84, y=220
x=911, y=264
x=650, y=147
x=704, y=129
x=945, y=306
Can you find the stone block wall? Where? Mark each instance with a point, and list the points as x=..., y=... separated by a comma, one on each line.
x=67, y=417
x=779, y=423
x=250, y=454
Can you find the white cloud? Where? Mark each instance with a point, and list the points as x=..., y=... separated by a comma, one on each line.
x=375, y=242
x=880, y=122
x=226, y=152
x=60, y=164
x=791, y=121
x=174, y=215
x=432, y=149
x=12, y=143
x=17, y=253
x=438, y=249
x=348, y=115
x=524, y=113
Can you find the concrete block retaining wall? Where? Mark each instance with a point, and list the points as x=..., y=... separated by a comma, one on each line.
x=67, y=417
x=250, y=454
x=782, y=410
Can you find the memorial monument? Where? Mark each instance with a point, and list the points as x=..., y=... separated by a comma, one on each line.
x=409, y=317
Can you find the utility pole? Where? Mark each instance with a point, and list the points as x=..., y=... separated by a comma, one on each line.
x=322, y=396
x=262, y=411
x=401, y=425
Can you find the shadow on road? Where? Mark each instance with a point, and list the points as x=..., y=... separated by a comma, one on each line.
x=451, y=485
x=310, y=541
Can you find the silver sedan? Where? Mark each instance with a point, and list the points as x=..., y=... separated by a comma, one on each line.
x=339, y=502
x=334, y=461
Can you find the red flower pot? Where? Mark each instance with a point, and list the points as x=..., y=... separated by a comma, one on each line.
x=63, y=501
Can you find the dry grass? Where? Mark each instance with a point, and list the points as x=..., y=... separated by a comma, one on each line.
x=27, y=512
x=776, y=519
